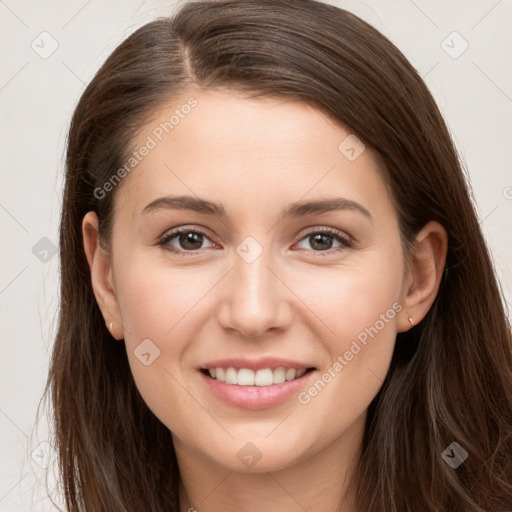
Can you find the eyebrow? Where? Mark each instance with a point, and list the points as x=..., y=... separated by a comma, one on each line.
x=297, y=209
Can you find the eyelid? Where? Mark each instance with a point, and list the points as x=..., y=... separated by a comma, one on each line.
x=329, y=231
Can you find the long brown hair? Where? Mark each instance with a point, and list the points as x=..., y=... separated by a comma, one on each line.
x=450, y=378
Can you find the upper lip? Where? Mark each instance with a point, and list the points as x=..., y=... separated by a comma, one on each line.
x=255, y=364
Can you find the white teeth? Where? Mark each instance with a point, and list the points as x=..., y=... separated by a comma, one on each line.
x=290, y=374
x=279, y=375
x=231, y=376
x=263, y=377
x=245, y=377
x=248, y=377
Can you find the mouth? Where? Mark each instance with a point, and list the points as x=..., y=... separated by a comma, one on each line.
x=255, y=385
x=248, y=377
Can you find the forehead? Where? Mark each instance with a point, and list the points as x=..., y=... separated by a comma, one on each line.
x=268, y=150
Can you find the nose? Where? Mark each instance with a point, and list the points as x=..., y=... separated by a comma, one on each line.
x=255, y=301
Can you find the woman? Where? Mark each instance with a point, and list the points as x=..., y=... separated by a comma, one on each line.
x=275, y=291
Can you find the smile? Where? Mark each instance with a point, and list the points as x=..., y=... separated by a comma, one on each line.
x=262, y=377
x=255, y=384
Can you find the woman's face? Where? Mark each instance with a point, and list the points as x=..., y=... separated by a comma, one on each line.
x=267, y=282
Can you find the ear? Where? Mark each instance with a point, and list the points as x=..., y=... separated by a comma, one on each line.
x=101, y=275
x=426, y=265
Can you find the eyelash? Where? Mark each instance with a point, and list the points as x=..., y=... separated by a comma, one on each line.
x=345, y=242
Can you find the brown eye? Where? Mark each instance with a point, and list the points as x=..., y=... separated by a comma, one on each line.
x=187, y=240
x=322, y=240
x=190, y=240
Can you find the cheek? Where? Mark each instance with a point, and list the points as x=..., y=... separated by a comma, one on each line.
x=360, y=296
x=361, y=307
x=159, y=300
x=365, y=304
x=165, y=306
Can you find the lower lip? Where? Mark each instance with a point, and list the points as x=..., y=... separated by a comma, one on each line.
x=256, y=397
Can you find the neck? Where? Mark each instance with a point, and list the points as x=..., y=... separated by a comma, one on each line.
x=318, y=481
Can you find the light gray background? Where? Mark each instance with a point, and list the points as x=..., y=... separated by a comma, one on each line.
x=37, y=97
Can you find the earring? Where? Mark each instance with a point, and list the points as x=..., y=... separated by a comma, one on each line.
x=410, y=320
x=110, y=326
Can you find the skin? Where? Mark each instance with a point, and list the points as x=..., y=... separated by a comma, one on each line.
x=296, y=300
